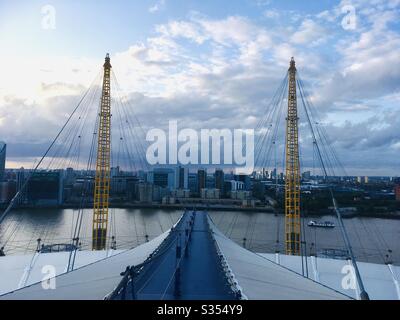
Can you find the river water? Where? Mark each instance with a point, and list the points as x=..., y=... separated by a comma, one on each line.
x=371, y=238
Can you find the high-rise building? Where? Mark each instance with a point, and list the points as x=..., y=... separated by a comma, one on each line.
x=162, y=177
x=20, y=184
x=245, y=179
x=145, y=192
x=210, y=181
x=3, y=148
x=362, y=179
x=307, y=175
x=7, y=191
x=114, y=171
x=69, y=176
x=265, y=174
x=45, y=188
x=210, y=193
x=397, y=189
x=397, y=192
x=219, y=180
x=273, y=174
x=201, y=179
x=192, y=182
x=181, y=178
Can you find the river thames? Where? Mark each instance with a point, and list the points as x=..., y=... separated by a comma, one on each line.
x=371, y=238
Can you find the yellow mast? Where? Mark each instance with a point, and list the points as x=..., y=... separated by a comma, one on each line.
x=292, y=174
x=102, y=179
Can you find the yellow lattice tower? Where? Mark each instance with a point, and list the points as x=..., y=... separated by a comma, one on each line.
x=292, y=170
x=102, y=179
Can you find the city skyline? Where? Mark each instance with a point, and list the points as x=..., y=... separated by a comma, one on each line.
x=205, y=63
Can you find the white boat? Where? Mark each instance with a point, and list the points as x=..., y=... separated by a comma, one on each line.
x=325, y=224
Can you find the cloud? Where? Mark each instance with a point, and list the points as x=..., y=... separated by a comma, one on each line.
x=216, y=73
x=183, y=29
x=367, y=68
x=157, y=6
x=271, y=14
x=309, y=33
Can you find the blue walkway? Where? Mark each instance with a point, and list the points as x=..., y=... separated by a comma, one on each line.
x=185, y=266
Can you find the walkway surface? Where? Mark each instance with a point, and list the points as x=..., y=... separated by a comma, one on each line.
x=186, y=266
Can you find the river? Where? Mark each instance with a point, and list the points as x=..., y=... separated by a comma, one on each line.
x=371, y=238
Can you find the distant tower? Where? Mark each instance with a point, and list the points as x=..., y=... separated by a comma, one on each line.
x=292, y=170
x=397, y=189
x=219, y=180
x=102, y=178
x=201, y=179
x=20, y=184
x=3, y=148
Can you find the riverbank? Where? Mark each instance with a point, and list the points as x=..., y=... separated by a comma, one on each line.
x=172, y=207
x=168, y=207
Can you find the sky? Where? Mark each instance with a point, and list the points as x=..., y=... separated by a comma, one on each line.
x=212, y=64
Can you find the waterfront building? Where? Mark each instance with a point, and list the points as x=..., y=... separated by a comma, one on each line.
x=162, y=177
x=159, y=193
x=142, y=175
x=20, y=180
x=210, y=181
x=83, y=185
x=122, y=185
x=233, y=185
x=114, y=171
x=69, y=176
x=181, y=178
x=7, y=191
x=273, y=174
x=265, y=174
x=306, y=175
x=210, y=193
x=240, y=195
x=219, y=180
x=245, y=179
x=180, y=193
x=201, y=179
x=3, y=148
x=397, y=189
x=145, y=192
x=45, y=188
x=192, y=182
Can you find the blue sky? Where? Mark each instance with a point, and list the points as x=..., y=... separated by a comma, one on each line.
x=213, y=62
x=92, y=27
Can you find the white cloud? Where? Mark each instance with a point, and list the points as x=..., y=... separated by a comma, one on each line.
x=309, y=33
x=157, y=6
x=232, y=30
x=183, y=29
x=219, y=72
x=271, y=14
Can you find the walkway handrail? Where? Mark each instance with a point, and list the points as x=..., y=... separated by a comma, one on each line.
x=225, y=267
x=131, y=271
